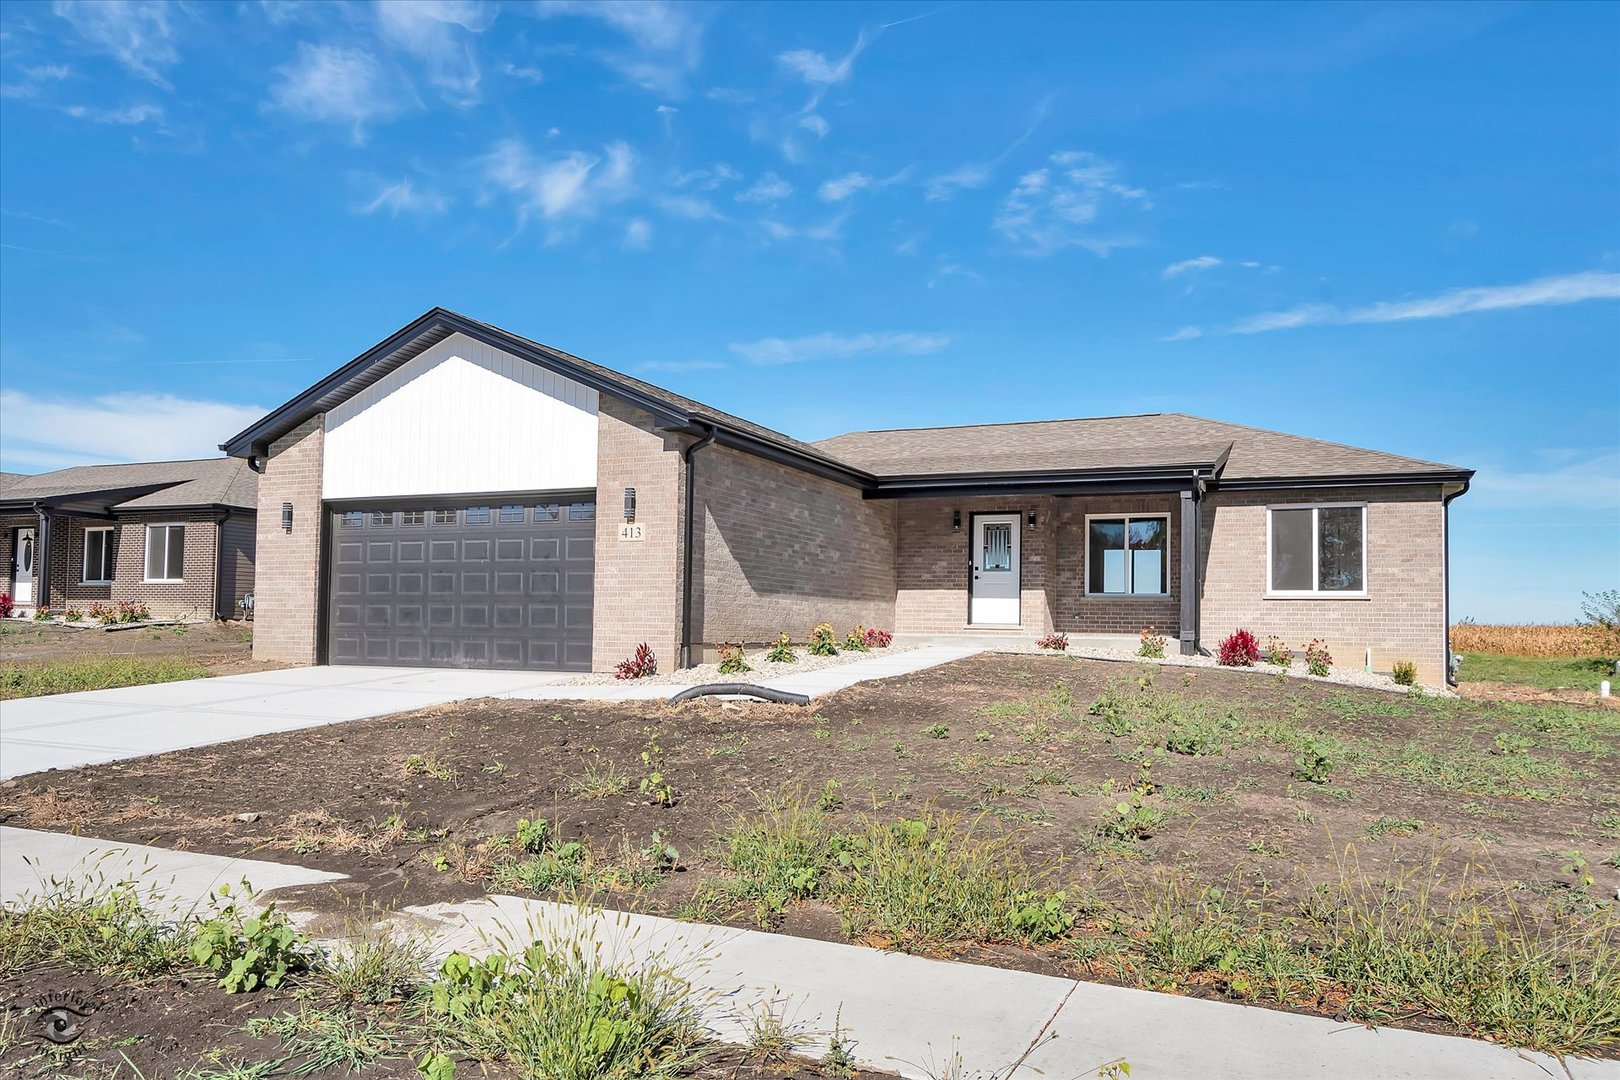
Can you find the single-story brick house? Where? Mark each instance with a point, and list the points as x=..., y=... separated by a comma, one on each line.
x=459, y=495
x=177, y=536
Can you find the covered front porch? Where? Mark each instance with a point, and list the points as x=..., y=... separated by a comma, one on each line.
x=1099, y=559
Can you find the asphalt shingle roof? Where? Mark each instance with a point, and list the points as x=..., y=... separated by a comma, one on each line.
x=1146, y=441
x=219, y=481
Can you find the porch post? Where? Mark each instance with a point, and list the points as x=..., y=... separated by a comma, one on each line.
x=1189, y=572
x=42, y=562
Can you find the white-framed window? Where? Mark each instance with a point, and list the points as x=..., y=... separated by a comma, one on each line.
x=166, y=553
x=1128, y=555
x=98, y=555
x=1319, y=549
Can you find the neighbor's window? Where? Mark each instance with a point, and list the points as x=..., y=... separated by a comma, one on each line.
x=1318, y=549
x=1128, y=556
x=98, y=556
x=165, y=552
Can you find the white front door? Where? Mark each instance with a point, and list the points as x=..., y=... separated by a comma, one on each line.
x=994, y=595
x=22, y=567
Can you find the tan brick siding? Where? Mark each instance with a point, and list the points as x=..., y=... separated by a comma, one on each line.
x=1082, y=614
x=287, y=594
x=638, y=584
x=1403, y=616
x=779, y=551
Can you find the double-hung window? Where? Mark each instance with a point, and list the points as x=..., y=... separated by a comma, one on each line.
x=1128, y=555
x=165, y=553
x=98, y=556
x=1317, y=550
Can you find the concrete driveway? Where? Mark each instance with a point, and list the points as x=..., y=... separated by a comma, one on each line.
x=65, y=731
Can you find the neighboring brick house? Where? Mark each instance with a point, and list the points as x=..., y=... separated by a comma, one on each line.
x=177, y=536
x=458, y=495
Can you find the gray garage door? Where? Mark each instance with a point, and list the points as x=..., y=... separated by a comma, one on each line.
x=468, y=586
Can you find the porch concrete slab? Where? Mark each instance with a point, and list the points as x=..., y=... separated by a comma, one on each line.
x=1166, y=1036
x=173, y=882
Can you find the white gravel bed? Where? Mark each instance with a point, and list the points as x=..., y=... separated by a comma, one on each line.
x=1342, y=676
x=763, y=671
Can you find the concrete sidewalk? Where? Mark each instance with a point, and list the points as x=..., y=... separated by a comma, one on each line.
x=904, y=1013
x=65, y=731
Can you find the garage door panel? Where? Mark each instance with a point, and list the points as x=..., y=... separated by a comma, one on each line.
x=466, y=587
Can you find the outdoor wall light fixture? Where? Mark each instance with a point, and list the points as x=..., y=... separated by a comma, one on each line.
x=629, y=504
x=286, y=517
x=1032, y=519
x=956, y=521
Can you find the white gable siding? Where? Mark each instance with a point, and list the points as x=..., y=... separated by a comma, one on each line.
x=462, y=418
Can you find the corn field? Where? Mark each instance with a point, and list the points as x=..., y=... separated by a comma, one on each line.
x=1527, y=640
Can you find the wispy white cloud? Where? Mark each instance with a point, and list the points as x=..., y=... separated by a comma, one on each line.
x=1558, y=479
x=816, y=125
x=34, y=79
x=666, y=39
x=1057, y=207
x=557, y=188
x=1542, y=292
x=398, y=197
x=438, y=34
x=334, y=84
x=1186, y=333
x=637, y=234
x=523, y=73
x=825, y=232
x=1190, y=266
x=52, y=433
x=128, y=115
x=816, y=70
x=690, y=207
x=829, y=346
x=976, y=174
x=707, y=179
x=769, y=188
x=136, y=33
x=844, y=186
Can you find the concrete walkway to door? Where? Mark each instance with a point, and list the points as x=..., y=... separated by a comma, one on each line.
x=64, y=731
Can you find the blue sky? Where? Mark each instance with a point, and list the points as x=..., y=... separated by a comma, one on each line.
x=1395, y=226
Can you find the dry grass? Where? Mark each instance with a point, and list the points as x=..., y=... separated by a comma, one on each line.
x=1527, y=640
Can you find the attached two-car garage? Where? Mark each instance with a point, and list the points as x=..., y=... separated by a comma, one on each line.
x=433, y=584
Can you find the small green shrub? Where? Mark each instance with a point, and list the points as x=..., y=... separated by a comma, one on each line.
x=1199, y=735
x=248, y=952
x=1152, y=645
x=1130, y=821
x=781, y=651
x=1314, y=761
x=1318, y=661
x=655, y=784
x=855, y=641
x=732, y=661
x=937, y=731
x=1277, y=653
x=823, y=640
x=1405, y=673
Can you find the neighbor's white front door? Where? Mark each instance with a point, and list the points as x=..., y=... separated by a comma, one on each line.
x=994, y=595
x=22, y=567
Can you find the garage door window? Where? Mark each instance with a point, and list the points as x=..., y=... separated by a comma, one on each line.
x=354, y=519
x=512, y=515
x=477, y=515
x=444, y=517
x=582, y=511
x=413, y=517
x=548, y=512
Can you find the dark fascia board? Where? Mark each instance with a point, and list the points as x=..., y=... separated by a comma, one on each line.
x=1054, y=482
x=255, y=439
x=1277, y=483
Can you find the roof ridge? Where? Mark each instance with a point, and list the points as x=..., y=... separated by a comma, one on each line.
x=1312, y=439
x=1004, y=423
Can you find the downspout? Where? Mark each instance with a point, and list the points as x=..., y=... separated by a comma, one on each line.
x=42, y=559
x=686, y=551
x=219, y=562
x=1445, y=569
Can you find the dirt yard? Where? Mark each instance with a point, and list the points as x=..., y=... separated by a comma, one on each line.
x=1119, y=784
x=226, y=647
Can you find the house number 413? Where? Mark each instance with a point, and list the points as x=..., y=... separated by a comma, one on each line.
x=631, y=530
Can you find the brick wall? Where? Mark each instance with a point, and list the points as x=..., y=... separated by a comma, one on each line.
x=192, y=598
x=931, y=562
x=1082, y=614
x=286, y=592
x=638, y=583
x=68, y=588
x=779, y=550
x=1403, y=616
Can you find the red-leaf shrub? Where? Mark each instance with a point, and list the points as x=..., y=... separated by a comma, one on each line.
x=6, y=605
x=1239, y=650
x=878, y=639
x=639, y=665
x=1055, y=642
